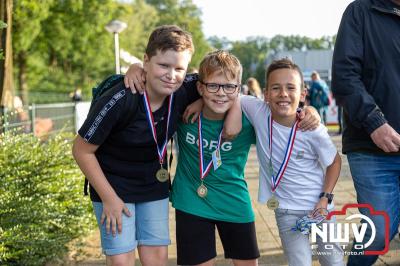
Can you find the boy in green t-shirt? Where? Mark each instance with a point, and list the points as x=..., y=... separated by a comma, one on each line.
x=206, y=198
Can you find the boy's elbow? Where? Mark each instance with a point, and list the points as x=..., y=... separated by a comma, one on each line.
x=78, y=147
x=338, y=158
x=231, y=133
x=82, y=148
x=74, y=148
x=338, y=161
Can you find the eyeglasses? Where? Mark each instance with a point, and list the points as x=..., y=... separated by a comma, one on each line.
x=214, y=87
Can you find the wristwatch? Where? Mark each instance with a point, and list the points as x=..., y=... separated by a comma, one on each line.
x=327, y=195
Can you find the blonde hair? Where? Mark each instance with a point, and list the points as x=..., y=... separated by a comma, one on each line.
x=254, y=87
x=223, y=61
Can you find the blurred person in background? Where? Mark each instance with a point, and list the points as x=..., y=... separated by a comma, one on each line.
x=319, y=95
x=254, y=88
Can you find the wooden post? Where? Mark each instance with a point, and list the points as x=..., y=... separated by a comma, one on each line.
x=6, y=64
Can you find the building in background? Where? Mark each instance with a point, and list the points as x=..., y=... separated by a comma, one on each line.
x=309, y=61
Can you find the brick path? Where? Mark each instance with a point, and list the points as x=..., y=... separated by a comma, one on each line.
x=267, y=233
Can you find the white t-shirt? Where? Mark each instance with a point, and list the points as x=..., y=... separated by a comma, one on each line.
x=312, y=152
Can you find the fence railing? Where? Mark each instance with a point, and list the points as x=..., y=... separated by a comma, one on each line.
x=40, y=119
x=40, y=97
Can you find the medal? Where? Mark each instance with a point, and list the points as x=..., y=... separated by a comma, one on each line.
x=273, y=203
x=202, y=191
x=162, y=174
x=204, y=169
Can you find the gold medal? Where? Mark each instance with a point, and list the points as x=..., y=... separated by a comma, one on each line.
x=162, y=175
x=202, y=191
x=273, y=203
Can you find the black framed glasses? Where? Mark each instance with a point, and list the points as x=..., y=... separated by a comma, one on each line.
x=214, y=87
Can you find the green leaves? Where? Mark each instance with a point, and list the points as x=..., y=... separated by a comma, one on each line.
x=186, y=15
x=62, y=45
x=42, y=207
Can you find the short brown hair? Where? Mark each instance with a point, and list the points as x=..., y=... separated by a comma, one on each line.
x=169, y=37
x=223, y=61
x=283, y=63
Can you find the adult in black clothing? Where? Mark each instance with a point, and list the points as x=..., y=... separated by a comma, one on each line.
x=365, y=81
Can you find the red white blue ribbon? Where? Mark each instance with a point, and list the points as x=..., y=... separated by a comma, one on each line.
x=276, y=179
x=204, y=169
x=149, y=114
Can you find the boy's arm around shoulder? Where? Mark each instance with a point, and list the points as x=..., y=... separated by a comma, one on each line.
x=233, y=121
x=309, y=118
x=254, y=109
x=135, y=78
x=189, y=99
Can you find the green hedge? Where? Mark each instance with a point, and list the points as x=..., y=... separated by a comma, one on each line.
x=42, y=207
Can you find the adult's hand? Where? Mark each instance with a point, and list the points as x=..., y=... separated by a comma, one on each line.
x=386, y=138
x=135, y=78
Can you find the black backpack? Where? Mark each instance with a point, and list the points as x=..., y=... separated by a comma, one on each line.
x=102, y=89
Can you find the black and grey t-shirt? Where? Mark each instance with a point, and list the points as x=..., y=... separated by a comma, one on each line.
x=127, y=153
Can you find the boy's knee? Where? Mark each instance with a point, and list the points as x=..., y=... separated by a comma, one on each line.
x=121, y=259
x=157, y=256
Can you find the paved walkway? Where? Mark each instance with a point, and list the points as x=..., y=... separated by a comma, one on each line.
x=267, y=233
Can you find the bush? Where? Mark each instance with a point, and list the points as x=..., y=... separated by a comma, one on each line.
x=42, y=207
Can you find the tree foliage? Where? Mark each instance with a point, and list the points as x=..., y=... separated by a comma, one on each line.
x=141, y=19
x=60, y=45
x=254, y=51
x=74, y=47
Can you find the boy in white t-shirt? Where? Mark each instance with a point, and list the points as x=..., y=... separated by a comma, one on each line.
x=292, y=162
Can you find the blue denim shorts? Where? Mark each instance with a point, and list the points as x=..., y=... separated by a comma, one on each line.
x=148, y=226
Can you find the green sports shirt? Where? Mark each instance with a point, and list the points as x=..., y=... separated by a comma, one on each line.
x=228, y=197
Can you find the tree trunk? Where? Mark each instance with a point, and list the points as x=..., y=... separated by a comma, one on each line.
x=6, y=65
x=23, y=85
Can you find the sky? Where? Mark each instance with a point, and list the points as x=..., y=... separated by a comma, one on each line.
x=238, y=19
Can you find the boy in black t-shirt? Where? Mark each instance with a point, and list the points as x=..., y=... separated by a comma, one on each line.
x=125, y=164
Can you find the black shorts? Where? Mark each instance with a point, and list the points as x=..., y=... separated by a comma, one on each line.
x=195, y=239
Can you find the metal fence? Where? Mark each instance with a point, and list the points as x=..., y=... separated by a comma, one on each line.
x=39, y=97
x=40, y=119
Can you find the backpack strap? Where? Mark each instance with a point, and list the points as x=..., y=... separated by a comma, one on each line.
x=126, y=118
x=105, y=85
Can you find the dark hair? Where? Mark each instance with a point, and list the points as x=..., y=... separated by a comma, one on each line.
x=283, y=63
x=169, y=37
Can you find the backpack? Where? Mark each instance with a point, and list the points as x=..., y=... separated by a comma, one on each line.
x=319, y=94
x=102, y=89
x=326, y=99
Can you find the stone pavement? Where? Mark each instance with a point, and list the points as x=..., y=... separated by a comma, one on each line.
x=267, y=233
